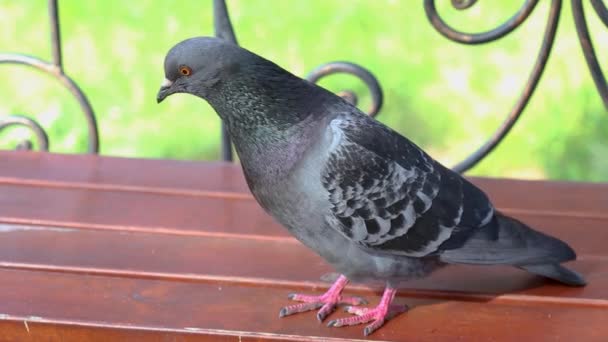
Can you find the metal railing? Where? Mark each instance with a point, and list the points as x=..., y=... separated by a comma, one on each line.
x=225, y=30
x=55, y=69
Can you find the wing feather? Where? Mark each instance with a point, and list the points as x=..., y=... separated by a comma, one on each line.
x=386, y=194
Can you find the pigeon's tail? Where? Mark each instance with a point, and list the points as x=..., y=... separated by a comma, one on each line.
x=557, y=272
x=508, y=241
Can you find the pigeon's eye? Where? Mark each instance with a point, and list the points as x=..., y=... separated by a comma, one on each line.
x=185, y=70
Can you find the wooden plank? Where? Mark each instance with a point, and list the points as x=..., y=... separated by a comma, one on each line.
x=22, y=330
x=276, y=263
x=193, y=215
x=551, y=198
x=205, y=309
x=158, y=175
x=179, y=250
x=223, y=179
x=121, y=210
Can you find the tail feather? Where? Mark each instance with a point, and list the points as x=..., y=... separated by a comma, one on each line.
x=507, y=241
x=557, y=272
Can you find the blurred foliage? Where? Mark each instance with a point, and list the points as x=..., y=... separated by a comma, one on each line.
x=446, y=97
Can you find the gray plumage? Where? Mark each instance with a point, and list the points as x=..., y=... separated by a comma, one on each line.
x=365, y=198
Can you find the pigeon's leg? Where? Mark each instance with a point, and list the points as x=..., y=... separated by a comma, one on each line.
x=327, y=301
x=377, y=315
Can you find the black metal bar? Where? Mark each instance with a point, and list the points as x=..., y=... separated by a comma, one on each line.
x=221, y=21
x=55, y=34
x=224, y=30
x=587, y=45
x=601, y=10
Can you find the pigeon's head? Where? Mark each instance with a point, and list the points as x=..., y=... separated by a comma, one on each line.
x=197, y=65
x=247, y=91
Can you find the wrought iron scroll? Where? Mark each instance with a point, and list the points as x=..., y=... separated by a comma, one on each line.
x=350, y=68
x=20, y=120
x=541, y=60
x=54, y=69
x=224, y=29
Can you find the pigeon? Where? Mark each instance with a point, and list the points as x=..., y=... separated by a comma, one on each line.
x=366, y=199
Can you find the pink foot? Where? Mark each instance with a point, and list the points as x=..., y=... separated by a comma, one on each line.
x=378, y=315
x=327, y=302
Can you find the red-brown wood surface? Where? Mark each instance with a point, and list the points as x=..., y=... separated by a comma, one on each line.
x=98, y=248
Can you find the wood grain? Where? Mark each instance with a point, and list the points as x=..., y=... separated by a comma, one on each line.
x=195, y=215
x=222, y=179
x=220, y=259
x=98, y=248
x=210, y=309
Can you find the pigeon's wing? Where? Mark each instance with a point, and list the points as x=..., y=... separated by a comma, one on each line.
x=387, y=195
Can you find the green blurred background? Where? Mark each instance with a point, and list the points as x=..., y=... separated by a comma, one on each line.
x=446, y=97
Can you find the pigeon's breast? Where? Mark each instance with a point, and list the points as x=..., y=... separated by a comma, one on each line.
x=297, y=199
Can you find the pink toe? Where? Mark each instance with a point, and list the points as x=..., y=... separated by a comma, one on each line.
x=356, y=310
x=327, y=302
x=378, y=315
x=303, y=307
x=303, y=298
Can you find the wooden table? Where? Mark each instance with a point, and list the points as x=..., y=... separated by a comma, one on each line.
x=98, y=248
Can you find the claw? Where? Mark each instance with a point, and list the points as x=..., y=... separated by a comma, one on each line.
x=303, y=307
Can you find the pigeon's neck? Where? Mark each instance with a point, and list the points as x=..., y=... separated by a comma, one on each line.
x=271, y=121
x=269, y=157
x=265, y=99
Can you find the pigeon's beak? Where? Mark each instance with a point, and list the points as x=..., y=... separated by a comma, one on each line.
x=164, y=90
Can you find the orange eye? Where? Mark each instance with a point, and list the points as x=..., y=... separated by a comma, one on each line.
x=184, y=70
